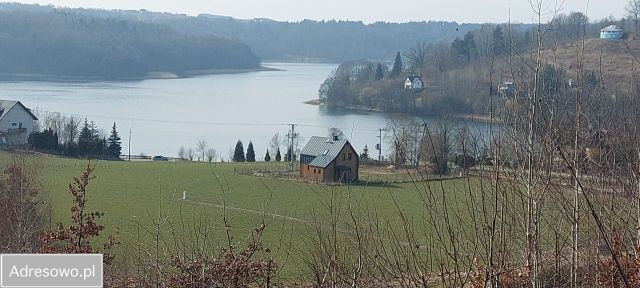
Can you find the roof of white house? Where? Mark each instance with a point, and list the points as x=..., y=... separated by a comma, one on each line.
x=6, y=105
x=611, y=28
x=324, y=149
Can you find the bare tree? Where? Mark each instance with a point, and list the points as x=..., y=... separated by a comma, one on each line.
x=335, y=133
x=404, y=133
x=274, y=145
x=437, y=146
x=70, y=129
x=190, y=154
x=20, y=203
x=633, y=12
x=211, y=155
x=201, y=147
x=417, y=56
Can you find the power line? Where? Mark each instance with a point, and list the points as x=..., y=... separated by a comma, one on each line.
x=169, y=121
x=246, y=124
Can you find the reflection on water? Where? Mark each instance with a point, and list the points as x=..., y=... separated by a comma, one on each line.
x=165, y=114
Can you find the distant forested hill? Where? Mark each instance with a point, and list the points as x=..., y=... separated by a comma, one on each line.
x=64, y=42
x=333, y=41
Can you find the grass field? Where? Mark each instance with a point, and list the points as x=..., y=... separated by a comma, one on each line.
x=135, y=194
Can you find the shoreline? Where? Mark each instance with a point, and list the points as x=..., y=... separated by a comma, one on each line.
x=480, y=118
x=477, y=118
x=27, y=77
x=316, y=102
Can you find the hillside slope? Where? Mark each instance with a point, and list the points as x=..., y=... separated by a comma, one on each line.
x=62, y=43
x=615, y=60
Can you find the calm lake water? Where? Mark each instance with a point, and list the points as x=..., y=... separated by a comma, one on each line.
x=165, y=114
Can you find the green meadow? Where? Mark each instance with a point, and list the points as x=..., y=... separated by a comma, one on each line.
x=140, y=198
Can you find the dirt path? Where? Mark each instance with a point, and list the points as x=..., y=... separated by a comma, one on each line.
x=256, y=212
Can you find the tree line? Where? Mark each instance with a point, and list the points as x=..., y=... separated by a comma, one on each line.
x=203, y=152
x=63, y=43
x=71, y=136
x=306, y=40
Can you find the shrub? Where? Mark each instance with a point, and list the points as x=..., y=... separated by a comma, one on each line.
x=465, y=161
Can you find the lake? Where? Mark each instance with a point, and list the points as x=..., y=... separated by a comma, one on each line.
x=165, y=114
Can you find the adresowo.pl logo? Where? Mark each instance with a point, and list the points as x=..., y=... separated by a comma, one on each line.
x=51, y=270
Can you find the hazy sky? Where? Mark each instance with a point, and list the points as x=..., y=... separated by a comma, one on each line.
x=365, y=10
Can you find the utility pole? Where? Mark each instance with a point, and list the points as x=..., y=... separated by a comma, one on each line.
x=292, y=135
x=129, y=144
x=380, y=143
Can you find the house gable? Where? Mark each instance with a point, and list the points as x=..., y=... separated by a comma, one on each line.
x=16, y=122
x=413, y=82
x=323, y=159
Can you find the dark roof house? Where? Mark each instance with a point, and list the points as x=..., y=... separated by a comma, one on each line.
x=329, y=160
x=413, y=82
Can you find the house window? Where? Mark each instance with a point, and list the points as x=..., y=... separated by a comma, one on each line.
x=314, y=171
x=349, y=156
x=14, y=124
x=343, y=156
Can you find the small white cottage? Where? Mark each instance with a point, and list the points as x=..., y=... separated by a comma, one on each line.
x=16, y=123
x=413, y=82
x=611, y=32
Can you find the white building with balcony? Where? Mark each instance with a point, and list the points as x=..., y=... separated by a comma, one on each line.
x=16, y=123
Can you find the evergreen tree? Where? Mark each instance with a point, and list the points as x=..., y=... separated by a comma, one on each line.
x=397, y=67
x=251, y=155
x=85, y=139
x=46, y=140
x=469, y=45
x=114, y=147
x=101, y=147
x=365, y=153
x=379, y=72
x=267, y=157
x=278, y=156
x=238, y=153
x=498, y=40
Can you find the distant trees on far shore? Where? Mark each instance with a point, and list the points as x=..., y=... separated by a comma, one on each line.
x=61, y=43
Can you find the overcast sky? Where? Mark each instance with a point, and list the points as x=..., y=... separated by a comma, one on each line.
x=365, y=10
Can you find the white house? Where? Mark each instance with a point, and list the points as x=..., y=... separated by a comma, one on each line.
x=16, y=123
x=413, y=82
x=611, y=32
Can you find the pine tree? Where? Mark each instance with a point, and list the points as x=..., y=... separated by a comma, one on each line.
x=365, y=153
x=278, y=156
x=238, y=154
x=397, y=67
x=85, y=139
x=498, y=40
x=251, y=155
x=114, y=147
x=267, y=157
x=379, y=72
